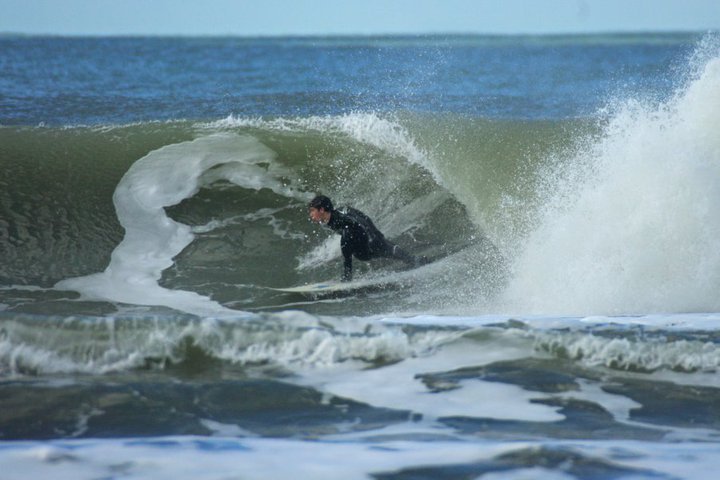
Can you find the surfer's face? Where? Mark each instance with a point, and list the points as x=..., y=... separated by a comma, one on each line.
x=318, y=215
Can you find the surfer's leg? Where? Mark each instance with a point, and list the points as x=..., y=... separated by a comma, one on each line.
x=394, y=251
x=400, y=254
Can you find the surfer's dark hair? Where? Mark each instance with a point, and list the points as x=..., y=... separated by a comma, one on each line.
x=321, y=201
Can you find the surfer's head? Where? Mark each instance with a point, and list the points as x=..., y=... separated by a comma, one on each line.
x=320, y=208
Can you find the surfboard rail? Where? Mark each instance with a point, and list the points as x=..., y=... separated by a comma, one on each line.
x=338, y=288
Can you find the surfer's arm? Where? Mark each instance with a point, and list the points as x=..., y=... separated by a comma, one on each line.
x=347, y=260
x=347, y=269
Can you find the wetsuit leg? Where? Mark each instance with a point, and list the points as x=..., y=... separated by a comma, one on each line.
x=401, y=254
x=390, y=250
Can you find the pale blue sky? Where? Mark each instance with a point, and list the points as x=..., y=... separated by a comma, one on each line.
x=325, y=17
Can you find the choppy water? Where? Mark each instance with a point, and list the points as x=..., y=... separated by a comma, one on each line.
x=153, y=192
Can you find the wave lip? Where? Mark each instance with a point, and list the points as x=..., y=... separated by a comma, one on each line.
x=364, y=127
x=163, y=178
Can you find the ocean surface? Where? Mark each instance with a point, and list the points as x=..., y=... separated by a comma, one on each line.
x=153, y=194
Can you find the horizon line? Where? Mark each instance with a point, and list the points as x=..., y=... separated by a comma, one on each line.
x=365, y=35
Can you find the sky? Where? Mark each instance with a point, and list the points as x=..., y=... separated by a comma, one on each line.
x=346, y=17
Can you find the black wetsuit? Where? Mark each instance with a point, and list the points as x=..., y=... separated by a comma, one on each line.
x=361, y=238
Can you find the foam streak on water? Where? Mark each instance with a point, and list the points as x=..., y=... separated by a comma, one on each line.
x=214, y=458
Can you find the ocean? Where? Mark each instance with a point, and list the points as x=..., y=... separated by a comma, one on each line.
x=153, y=195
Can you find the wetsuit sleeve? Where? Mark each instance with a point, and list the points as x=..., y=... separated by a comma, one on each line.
x=347, y=262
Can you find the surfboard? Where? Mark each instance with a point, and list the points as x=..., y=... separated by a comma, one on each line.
x=335, y=288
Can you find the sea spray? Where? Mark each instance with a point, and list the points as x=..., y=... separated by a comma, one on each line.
x=634, y=227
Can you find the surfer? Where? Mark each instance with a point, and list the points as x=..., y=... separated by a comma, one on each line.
x=359, y=236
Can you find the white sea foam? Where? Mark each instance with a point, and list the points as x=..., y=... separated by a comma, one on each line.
x=328, y=250
x=94, y=347
x=301, y=341
x=381, y=362
x=225, y=430
x=683, y=322
x=279, y=227
x=181, y=458
x=163, y=178
x=629, y=354
x=196, y=457
x=399, y=386
x=634, y=227
x=293, y=340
